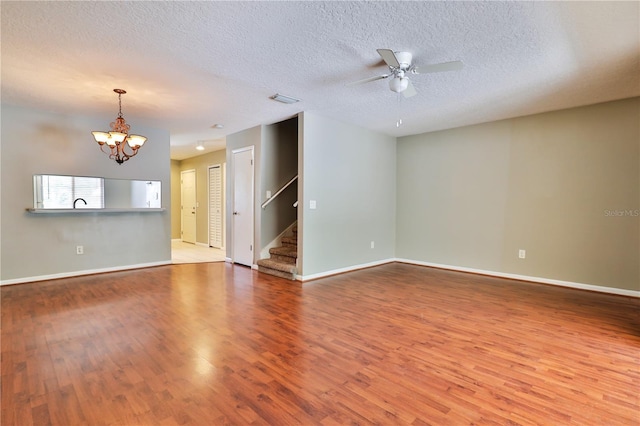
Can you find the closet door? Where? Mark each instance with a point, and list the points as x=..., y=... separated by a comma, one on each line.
x=216, y=206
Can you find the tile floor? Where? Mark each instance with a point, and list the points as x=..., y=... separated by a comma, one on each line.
x=182, y=252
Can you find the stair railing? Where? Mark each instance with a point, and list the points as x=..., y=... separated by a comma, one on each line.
x=285, y=186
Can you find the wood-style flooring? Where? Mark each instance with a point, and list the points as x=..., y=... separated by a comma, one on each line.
x=214, y=343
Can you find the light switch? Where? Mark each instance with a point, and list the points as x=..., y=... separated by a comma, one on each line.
x=268, y=194
x=312, y=204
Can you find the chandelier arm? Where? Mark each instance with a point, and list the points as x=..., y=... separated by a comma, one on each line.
x=102, y=145
x=133, y=151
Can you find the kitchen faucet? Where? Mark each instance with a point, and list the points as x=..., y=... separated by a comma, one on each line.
x=78, y=199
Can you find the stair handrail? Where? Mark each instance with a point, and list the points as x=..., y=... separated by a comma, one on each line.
x=285, y=186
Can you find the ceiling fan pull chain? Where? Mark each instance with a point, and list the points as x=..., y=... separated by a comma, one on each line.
x=399, y=121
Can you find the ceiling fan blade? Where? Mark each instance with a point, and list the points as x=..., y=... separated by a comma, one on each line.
x=367, y=80
x=445, y=66
x=410, y=90
x=389, y=57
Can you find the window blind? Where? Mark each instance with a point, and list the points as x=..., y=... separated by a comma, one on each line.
x=59, y=192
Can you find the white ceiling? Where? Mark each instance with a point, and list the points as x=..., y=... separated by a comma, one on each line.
x=189, y=65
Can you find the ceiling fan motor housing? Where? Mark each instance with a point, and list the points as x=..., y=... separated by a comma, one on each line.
x=404, y=59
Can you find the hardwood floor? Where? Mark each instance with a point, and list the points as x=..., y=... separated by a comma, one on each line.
x=213, y=343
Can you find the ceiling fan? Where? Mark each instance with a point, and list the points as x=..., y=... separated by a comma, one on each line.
x=400, y=66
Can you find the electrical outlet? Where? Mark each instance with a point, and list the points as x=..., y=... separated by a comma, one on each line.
x=268, y=194
x=373, y=244
x=79, y=249
x=522, y=254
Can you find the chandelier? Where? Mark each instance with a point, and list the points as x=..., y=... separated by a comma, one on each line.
x=118, y=139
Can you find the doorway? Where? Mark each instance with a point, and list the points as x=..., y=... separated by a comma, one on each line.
x=188, y=205
x=243, y=194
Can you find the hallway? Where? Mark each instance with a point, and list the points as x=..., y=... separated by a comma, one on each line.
x=182, y=252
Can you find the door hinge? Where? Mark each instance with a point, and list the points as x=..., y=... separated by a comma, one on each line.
x=252, y=162
x=250, y=247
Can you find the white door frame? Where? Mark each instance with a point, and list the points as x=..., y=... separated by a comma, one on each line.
x=234, y=239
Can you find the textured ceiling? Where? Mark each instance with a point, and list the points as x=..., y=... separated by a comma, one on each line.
x=189, y=65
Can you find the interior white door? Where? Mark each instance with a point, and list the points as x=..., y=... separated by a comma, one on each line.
x=243, y=206
x=216, y=204
x=188, y=203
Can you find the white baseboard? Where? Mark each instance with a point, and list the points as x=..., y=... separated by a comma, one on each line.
x=590, y=287
x=179, y=240
x=569, y=284
x=304, y=278
x=80, y=273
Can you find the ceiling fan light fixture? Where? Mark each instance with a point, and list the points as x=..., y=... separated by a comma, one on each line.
x=284, y=99
x=398, y=84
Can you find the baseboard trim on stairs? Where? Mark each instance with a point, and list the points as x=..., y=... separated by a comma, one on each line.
x=264, y=253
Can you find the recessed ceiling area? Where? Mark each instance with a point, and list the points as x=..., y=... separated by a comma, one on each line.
x=188, y=65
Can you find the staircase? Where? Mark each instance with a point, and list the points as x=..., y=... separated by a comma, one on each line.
x=282, y=260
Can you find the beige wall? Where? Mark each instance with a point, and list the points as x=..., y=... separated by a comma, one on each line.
x=562, y=185
x=201, y=165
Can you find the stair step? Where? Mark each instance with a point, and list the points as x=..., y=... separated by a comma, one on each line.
x=289, y=241
x=284, y=259
x=284, y=251
x=278, y=266
x=276, y=273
